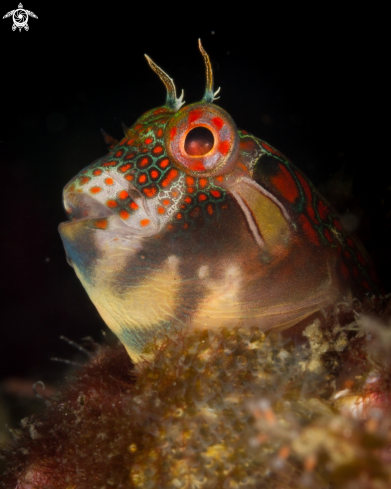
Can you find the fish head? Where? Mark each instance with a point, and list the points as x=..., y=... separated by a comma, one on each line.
x=179, y=227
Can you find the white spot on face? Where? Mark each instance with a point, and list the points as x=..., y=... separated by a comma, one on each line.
x=203, y=272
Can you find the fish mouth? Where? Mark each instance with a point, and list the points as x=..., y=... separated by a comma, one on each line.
x=83, y=207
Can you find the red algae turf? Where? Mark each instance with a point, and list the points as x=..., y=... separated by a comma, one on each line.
x=230, y=409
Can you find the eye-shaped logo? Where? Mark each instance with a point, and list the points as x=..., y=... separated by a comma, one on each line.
x=20, y=17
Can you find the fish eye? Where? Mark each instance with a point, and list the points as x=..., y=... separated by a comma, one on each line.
x=202, y=140
x=199, y=141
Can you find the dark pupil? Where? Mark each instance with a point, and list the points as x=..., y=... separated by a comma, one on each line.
x=199, y=141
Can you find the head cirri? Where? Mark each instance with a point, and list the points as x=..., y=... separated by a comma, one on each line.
x=189, y=222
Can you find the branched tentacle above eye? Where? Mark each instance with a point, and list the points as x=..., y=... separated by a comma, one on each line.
x=209, y=96
x=172, y=101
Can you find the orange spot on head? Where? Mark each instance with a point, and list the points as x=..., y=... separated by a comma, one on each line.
x=138, y=127
x=111, y=203
x=133, y=205
x=123, y=194
x=164, y=163
x=109, y=181
x=203, y=182
x=210, y=209
x=144, y=162
x=124, y=168
x=144, y=222
x=157, y=150
x=224, y=147
x=119, y=153
x=95, y=190
x=159, y=133
x=166, y=202
x=202, y=197
x=142, y=178
x=174, y=193
x=173, y=133
x=109, y=163
x=190, y=190
x=216, y=193
x=179, y=216
x=97, y=172
x=173, y=173
x=161, y=210
x=124, y=214
x=190, y=180
x=129, y=177
x=285, y=184
x=150, y=191
x=220, y=178
x=185, y=226
x=84, y=180
x=148, y=141
x=154, y=174
x=218, y=122
x=101, y=223
x=188, y=200
x=130, y=157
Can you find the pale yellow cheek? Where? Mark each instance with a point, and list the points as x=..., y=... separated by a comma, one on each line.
x=138, y=308
x=221, y=305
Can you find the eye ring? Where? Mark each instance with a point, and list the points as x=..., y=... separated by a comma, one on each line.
x=206, y=159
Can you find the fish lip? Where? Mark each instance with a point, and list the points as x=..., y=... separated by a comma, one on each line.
x=82, y=207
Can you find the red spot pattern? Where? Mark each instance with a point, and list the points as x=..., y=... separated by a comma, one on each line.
x=154, y=174
x=150, y=191
x=173, y=173
x=344, y=270
x=337, y=224
x=327, y=235
x=309, y=231
x=157, y=150
x=164, y=163
x=224, y=147
x=144, y=162
x=125, y=168
x=194, y=116
x=218, y=122
x=308, y=195
x=285, y=184
x=323, y=210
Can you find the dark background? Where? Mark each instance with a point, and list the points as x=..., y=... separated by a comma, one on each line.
x=312, y=83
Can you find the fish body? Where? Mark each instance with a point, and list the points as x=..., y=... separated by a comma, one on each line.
x=189, y=222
